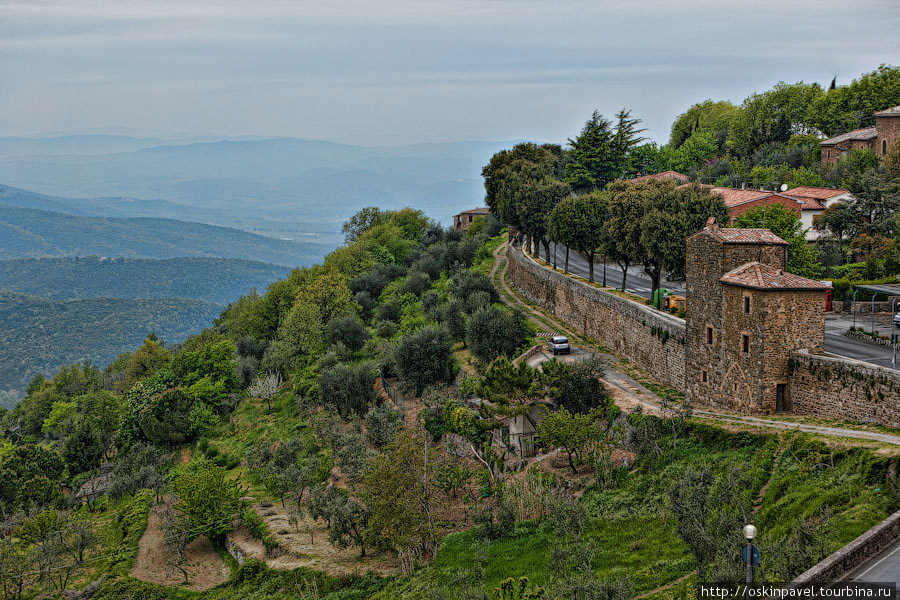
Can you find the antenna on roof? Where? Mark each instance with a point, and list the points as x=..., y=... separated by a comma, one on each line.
x=784, y=187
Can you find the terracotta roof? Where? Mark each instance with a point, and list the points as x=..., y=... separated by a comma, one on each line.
x=860, y=135
x=664, y=175
x=819, y=193
x=766, y=277
x=889, y=112
x=811, y=203
x=476, y=211
x=734, y=196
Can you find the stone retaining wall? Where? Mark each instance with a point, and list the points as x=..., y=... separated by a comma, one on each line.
x=844, y=389
x=844, y=561
x=653, y=340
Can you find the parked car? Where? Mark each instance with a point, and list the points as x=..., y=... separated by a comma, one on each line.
x=559, y=345
x=897, y=319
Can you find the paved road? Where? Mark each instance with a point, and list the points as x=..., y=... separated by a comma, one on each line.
x=638, y=283
x=883, y=568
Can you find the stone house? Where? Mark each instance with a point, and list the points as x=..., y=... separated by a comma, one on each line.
x=813, y=201
x=463, y=220
x=879, y=138
x=745, y=317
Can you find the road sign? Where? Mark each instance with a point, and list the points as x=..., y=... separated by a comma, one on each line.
x=750, y=553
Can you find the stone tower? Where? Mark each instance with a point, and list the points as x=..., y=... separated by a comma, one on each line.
x=744, y=317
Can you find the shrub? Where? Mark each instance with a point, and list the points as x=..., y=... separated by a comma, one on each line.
x=348, y=331
x=348, y=387
x=382, y=423
x=423, y=357
x=493, y=332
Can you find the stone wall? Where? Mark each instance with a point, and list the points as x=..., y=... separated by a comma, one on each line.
x=653, y=340
x=844, y=389
x=844, y=561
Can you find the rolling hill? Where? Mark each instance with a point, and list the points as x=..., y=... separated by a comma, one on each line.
x=216, y=280
x=39, y=336
x=38, y=233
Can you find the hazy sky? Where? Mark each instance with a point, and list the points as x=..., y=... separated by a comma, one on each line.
x=382, y=72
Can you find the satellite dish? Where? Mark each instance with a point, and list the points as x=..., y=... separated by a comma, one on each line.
x=783, y=187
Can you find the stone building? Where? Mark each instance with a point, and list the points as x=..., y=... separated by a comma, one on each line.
x=745, y=316
x=879, y=138
x=462, y=220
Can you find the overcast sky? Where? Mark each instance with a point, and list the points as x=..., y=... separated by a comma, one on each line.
x=373, y=71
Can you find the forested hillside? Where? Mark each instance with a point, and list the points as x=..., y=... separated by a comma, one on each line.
x=39, y=336
x=38, y=233
x=216, y=280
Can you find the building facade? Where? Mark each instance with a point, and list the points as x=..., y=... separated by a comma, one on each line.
x=463, y=220
x=745, y=316
x=879, y=138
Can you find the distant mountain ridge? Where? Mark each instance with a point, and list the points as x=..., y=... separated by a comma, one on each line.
x=307, y=185
x=39, y=336
x=216, y=280
x=26, y=233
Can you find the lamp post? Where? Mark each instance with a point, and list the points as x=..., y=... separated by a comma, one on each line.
x=894, y=338
x=750, y=556
x=854, y=307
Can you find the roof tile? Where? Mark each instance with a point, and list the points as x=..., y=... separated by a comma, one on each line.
x=766, y=277
x=861, y=135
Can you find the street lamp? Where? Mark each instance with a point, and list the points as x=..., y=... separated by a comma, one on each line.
x=750, y=555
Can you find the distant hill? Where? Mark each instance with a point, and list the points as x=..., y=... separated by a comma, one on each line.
x=287, y=183
x=37, y=233
x=39, y=336
x=216, y=280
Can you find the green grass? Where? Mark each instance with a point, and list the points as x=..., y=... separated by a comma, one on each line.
x=484, y=258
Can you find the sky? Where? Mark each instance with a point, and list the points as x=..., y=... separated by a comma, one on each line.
x=376, y=72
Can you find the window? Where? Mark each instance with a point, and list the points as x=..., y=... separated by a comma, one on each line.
x=746, y=305
x=745, y=344
x=883, y=147
x=470, y=218
x=709, y=335
x=704, y=376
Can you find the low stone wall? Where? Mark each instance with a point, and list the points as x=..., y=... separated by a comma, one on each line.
x=844, y=561
x=844, y=389
x=529, y=353
x=653, y=340
x=865, y=337
x=862, y=308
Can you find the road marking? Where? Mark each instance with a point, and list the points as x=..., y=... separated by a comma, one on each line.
x=883, y=558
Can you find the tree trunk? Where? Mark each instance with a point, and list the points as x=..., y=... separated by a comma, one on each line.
x=604, y=270
x=572, y=464
x=547, y=250
x=591, y=266
x=567, y=260
x=624, y=268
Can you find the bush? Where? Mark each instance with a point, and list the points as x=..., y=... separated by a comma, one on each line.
x=382, y=423
x=466, y=283
x=348, y=331
x=494, y=332
x=348, y=387
x=416, y=283
x=423, y=357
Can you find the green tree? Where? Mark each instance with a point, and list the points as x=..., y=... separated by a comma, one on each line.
x=712, y=117
x=600, y=153
x=771, y=117
x=363, y=220
x=494, y=331
x=397, y=488
x=208, y=499
x=423, y=357
x=346, y=518
x=348, y=387
x=321, y=296
x=840, y=221
x=382, y=424
x=574, y=433
x=848, y=107
x=83, y=449
x=579, y=222
x=802, y=258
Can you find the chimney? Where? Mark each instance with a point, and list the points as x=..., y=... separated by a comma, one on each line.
x=712, y=225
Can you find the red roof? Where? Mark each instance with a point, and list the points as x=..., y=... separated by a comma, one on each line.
x=734, y=196
x=759, y=276
x=819, y=193
x=664, y=175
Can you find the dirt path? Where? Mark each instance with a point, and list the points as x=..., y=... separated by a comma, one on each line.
x=204, y=566
x=305, y=544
